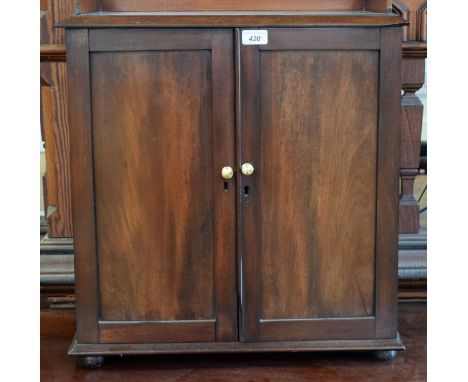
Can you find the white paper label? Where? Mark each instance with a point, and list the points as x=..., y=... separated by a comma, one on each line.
x=255, y=37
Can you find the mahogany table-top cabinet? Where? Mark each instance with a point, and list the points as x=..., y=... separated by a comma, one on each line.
x=234, y=176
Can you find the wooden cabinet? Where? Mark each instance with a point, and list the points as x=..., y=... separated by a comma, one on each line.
x=296, y=251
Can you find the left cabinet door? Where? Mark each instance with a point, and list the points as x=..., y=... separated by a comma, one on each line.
x=152, y=125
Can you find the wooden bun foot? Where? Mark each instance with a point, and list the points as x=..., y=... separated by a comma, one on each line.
x=89, y=362
x=385, y=355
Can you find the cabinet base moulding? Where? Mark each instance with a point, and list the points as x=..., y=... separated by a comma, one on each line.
x=80, y=350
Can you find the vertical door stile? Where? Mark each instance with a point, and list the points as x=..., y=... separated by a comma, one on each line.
x=249, y=192
x=225, y=191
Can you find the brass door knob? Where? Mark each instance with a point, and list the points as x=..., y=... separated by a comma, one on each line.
x=247, y=169
x=227, y=172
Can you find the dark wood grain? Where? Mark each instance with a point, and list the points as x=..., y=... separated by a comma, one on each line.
x=86, y=6
x=415, y=12
x=230, y=20
x=54, y=117
x=326, y=38
x=225, y=192
x=82, y=184
x=317, y=178
x=379, y=5
x=57, y=329
x=231, y=5
x=316, y=113
x=112, y=332
x=317, y=329
x=388, y=183
x=78, y=349
x=412, y=70
x=411, y=125
x=249, y=229
x=56, y=136
x=53, y=12
x=120, y=39
x=159, y=144
x=298, y=235
x=53, y=52
x=156, y=250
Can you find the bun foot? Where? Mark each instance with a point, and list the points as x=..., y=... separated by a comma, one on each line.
x=89, y=362
x=385, y=355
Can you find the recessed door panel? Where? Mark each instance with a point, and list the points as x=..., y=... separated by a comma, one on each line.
x=318, y=157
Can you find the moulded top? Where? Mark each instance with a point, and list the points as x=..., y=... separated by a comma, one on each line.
x=233, y=13
x=87, y=6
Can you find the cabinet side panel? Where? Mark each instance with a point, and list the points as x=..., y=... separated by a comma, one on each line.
x=318, y=183
x=153, y=146
x=388, y=184
x=81, y=167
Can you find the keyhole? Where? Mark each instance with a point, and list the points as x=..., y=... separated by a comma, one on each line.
x=226, y=186
x=246, y=191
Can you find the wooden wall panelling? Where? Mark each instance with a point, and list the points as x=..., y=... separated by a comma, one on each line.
x=55, y=127
x=411, y=125
x=54, y=118
x=413, y=69
x=421, y=22
x=52, y=12
x=415, y=12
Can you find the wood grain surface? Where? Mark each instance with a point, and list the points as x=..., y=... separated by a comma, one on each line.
x=54, y=117
x=162, y=131
x=82, y=184
x=53, y=12
x=317, y=221
x=154, y=197
x=318, y=166
x=317, y=124
x=387, y=183
x=233, y=19
x=231, y=5
x=57, y=328
x=56, y=137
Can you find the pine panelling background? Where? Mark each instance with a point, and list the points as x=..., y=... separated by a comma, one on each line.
x=413, y=68
x=415, y=11
x=54, y=118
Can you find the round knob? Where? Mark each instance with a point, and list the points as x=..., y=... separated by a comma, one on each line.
x=227, y=172
x=247, y=169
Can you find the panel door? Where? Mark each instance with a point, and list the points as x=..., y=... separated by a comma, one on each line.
x=160, y=129
x=319, y=213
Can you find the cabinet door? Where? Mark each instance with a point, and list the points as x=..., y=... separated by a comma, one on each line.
x=153, y=125
x=319, y=219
